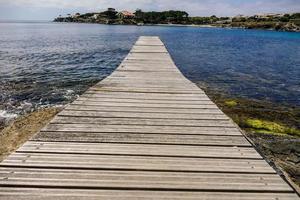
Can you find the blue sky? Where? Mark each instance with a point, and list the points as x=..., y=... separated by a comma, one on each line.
x=48, y=9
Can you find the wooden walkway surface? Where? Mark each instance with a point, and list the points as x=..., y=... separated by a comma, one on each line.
x=145, y=132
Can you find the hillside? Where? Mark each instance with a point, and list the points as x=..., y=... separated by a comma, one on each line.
x=281, y=22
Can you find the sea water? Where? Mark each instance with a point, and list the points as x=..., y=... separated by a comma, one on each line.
x=44, y=64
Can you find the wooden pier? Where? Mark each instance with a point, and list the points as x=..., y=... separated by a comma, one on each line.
x=145, y=132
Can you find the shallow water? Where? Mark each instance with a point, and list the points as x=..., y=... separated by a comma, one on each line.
x=45, y=64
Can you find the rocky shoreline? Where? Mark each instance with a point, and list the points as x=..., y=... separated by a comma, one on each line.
x=275, y=26
x=289, y=27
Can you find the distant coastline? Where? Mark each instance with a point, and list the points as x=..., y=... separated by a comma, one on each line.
x=279, y=22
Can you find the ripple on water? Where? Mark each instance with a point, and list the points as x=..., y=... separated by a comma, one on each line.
x=51, y=64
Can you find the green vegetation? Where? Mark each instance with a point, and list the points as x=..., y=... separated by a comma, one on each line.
x=287, y=22
x=260, y=116
x=231, y=103
x=267, y=127
x=209, y=20
x=111, y=16
x=165, y=17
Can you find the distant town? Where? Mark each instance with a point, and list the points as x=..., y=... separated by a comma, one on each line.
x=274, y=21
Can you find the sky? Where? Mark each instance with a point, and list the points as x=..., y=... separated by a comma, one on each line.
x=49, y=9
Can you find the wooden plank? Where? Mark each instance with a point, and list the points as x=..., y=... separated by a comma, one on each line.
x=141, y=122
x=207, y=140
x=147, y=55
x=88, y=103
x=99, y=96
x=116, y=162
x=180, y=95
x=199, y=104
x=108, y=114
x=141, y=149
x=95, y=95
x=144, y=109
x=104, y=179
x=142, y=43
x=143, y=90
x=141, y=81
x=145, y=101
x=212, y=122
x=10, y=193
x=122, y=85
x=142, y=49
x=152, y=76
x=151, y=66
x=142, y=129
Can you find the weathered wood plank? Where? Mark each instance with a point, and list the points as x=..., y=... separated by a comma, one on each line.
x=144, y=109
x=143, y=90
x=180, y=95
x=149, y=49
x=152, y=163
x=104, y=179
x=10, y=193
x=149, y=115
x=142, y=129
x=207, y=140
x=177, y=106
x=133, y=96
x=99, y=96
x=141, y=149
x=181, y=104
x=145, y=101
x=141, y=122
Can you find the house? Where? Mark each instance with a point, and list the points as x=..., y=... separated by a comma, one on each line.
x=126, y=15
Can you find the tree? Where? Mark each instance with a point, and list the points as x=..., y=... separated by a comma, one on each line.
x=139, y=15
x=110, y=13
x=284, y=19
x=214, y=18
x=295, y=16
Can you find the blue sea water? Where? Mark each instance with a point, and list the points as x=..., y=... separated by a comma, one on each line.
x=50, y=63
